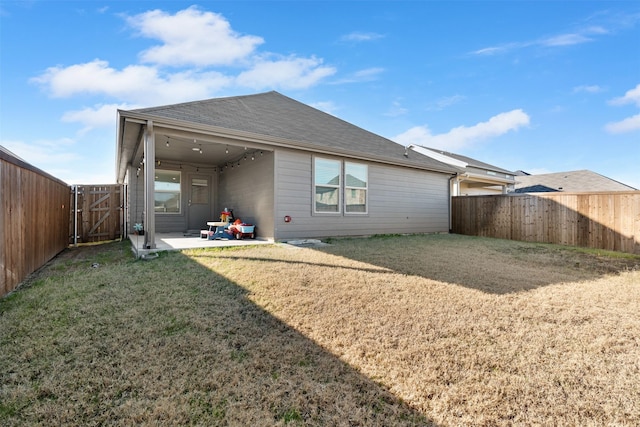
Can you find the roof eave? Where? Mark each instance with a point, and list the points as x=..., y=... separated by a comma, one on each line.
x=487, y=178
x=216, y=131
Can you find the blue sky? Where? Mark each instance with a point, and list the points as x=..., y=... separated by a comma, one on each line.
x=541, y=86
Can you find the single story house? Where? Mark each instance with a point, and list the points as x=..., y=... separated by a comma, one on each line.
x=579, y=181
x=293, y=171
x=478, y=178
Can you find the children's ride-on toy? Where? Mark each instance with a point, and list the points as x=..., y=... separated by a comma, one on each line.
x=241, y=230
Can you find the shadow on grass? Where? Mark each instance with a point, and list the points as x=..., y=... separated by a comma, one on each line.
x=170, y=342
x=493, y=266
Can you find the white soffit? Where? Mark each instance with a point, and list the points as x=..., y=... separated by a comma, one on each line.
x=439, y=157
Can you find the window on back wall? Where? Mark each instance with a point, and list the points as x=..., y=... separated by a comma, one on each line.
x=327, y=185
x=167, y=191
x=355, y=187
x=335, y=185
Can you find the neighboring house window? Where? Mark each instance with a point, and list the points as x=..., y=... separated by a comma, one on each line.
x=327, y=185
x=335, y=185
x=167, y=191
x=355, y=187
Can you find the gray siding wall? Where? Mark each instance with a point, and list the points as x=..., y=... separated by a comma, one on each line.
x=401, y=200
x=249, y=191
x=166, y=223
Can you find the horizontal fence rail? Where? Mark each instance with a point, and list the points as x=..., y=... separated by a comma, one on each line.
x=609, y=221
x=34, y=213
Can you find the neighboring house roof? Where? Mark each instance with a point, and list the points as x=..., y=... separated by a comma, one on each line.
x=573, y=181
x=475, y=173
x=537, y=188
x=469, y=161
x=273, y=117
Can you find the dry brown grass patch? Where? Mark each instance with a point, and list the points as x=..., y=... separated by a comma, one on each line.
x=466, y=331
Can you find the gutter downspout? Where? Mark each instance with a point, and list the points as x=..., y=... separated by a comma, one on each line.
x=454, y=176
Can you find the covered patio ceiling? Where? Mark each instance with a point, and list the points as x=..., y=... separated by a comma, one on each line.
x=181, y=144
x=198, y=152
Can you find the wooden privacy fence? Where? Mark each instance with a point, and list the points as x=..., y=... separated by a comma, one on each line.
x=608, y=221
x=34, y=213
x=98, y=213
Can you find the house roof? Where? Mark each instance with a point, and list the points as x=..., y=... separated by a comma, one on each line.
x=272, y=117
x=573, y=181
x=470, y=161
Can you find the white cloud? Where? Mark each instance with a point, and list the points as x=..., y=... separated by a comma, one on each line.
x=94, y=77
x=70, y=160
x=290, y=73
x=44, y=154
x=580, y=36
x=565, y=40
x=326, y=106
x=464, y=136
x=192, y=37
x=136, y=83
x=588, y=89
x=360, y=37
x=396, y=110
x=368, y=74
x=99, y=116
x=629, y=124
x=494, y=50
x=364, y=75
x=632, y=96
x=446, y=102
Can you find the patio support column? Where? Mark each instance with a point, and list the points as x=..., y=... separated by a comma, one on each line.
x=149, y=184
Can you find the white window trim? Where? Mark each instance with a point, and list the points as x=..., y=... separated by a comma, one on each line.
x=181, y=193
x=346, y=187
x=338, y=187
x=342, y=189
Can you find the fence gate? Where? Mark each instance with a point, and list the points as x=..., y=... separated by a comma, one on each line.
x=97, y=213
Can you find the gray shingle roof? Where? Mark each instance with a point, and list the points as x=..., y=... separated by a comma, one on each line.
x=275, y=115
x=573, y=181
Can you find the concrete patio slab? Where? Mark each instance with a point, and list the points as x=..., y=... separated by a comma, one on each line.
x=178, y=241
